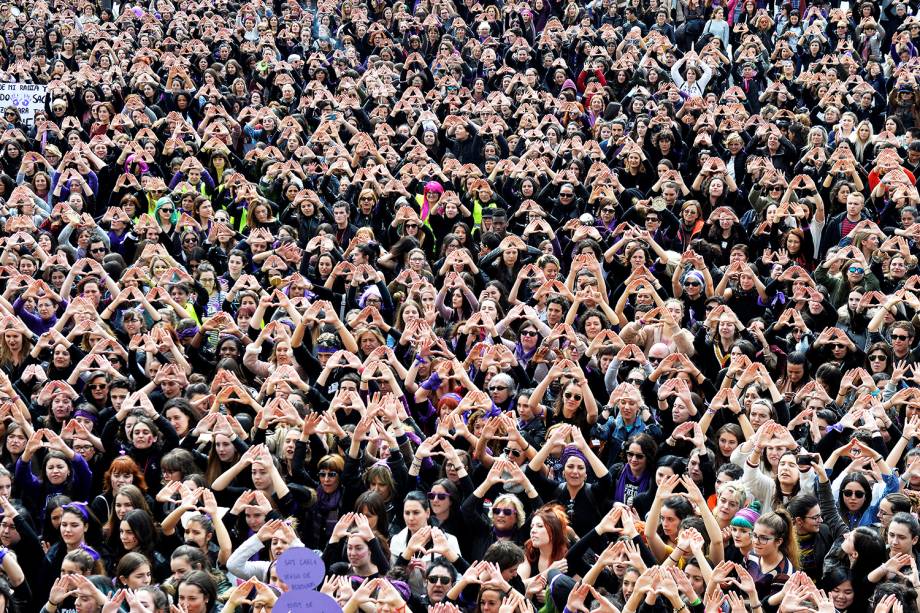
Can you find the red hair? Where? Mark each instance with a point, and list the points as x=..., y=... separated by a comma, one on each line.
x=556, y=523
x=124, y=464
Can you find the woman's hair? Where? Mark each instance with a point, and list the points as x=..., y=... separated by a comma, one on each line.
x=382, y=474
x=864, y=485
x=332, y=461
x=376, y=505
x=124, y=465
x=780, y=524
x=129, y=563
x=511, y=499
x=144, y=529
x=82, y=559
x=556, y=526
x=138, y=501
x=647, y=444
x=180, y=460
x=204, y=582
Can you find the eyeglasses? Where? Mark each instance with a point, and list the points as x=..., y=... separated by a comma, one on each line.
x=435, y=579
x=528, y=332
x=776, y=188
x=857, y=494
x=607, y=210
x=83, y=448
x=762, y=538
x=328, y=474
x=571, y=396
x=857, y=270
x=652, y=220
x=818, y=518
x=635, y=456
x=512, y=452
x=899, y=337
x=505, y=512
x=438, y=496
x=877, y=358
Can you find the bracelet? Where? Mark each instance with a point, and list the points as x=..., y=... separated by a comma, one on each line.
x=756, y=606
x=682, y=607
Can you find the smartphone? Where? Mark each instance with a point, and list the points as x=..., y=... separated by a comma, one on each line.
x=804, y=459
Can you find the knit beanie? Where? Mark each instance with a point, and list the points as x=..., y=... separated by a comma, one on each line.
x=747, y=517
x=569, y=84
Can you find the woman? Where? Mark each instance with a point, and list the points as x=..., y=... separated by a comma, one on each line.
x=633, y=477
x=78, y=526
x=776, y=554
x=416, y=515
x=584, y=500
x=122, y=471
x=132, y=572
x=138, y=534
x=547, y=543
x=362, y=550
x=197, y=592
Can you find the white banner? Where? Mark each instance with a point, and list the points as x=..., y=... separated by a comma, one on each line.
x=26, y=97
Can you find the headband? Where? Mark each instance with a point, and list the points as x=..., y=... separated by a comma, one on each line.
x=92, y=552
x=188, y=332
x=86, y=415
x=571, y=451
x=79, y=508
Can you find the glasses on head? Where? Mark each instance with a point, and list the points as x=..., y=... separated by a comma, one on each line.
x=328, y=474
x=899, y=337
x=435, y=579
x=512, y=452
x=438, y=495
x=877, y=358
x=857, y=270
x=857, y=494
x=762, y=538
x=505, y=512
x=572, y=396
x=635, y=456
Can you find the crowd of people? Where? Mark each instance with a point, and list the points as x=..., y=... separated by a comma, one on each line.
x=501, y=307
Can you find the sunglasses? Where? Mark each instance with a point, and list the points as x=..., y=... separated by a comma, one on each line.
x=571, y=396
x=411, y=225
x=498, y=388
x=858, y=494
x=877, y=358
x=638, y=456
x=98, y=386
x=692, y=284
x=857, y=270
x=636, y=382
x=528, y=332
x=512, y=452
x=97, y=250
x=899, y=337
x=566, y=195
x=607, y=210
x=328, y=474
x=165, y=210
x=438, y=496
x=435, y=579
x=505, y=512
